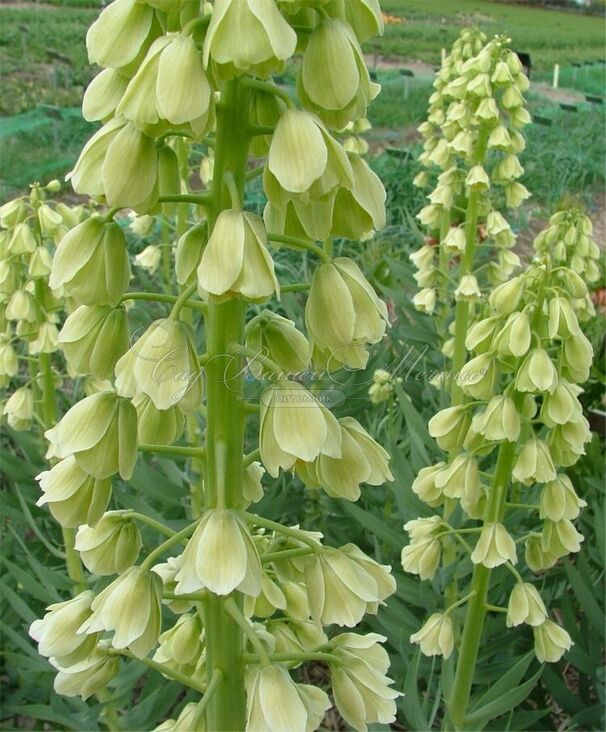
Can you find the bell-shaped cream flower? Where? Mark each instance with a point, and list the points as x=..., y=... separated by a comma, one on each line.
x=362, y=461
x=468, y=289
x=360, y=683
x=19, y=409
x=436, y=636
x=499, y=421
x=221, y=556
x=149, y=258
x=111, y=546
x=164, y=366
x=22, y=240
x=550, y=642
x=188, y=719
x=559, y=500
x=130, y=608
x=560, y=538
x=359, y=210
x=449, y=427
x=101, y=432
x=562, y=405
x=278, y=338
x=171, y=84
x=422, y=555
x=295, y=426
x=534, y=463
x=343, y=584
x=425, y=300
x=236, y=260
x=525, y=606
x=181, y=646
x=304, y=160
x=57, y=632
x=494, y=547
x=425, y=486
x=119, y=162
x=40, y=263
x=460, y=478
x=269, y=40
x=88, y=676
x=46, y=341
x=21, y=306
x=334, y=82
x=91, y=263
x=9, y=362
x=167, y=572
x=157, y=426
x=103, y=95
x=73, y=496
x=94, y=338
x=537, y=373
x=118, y=34
x=340, y=333
x=276, y=703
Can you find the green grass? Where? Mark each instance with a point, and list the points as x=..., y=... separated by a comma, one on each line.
x=549, y=36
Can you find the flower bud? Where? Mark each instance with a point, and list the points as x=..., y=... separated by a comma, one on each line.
x=499, y=421
x=73, y=496
x=221, y=555
x=534, y=463
x=449, y=427
x=343, y=584
x=91, y=263
x=94, y=338
x=181, y=646
x=559, y=500
x=101, y=432
x=550, y=642
x=436, y=636
x=494, y=547
x=57, y=632
x=111, y=546
x=164, y=366
x=167, y=572
x=506, y=297
x=525, y=606
x=130, y=607
x=360, y=685
x=537, y=373
x=295, y=426
x=270, y=39
x=277, y=337
x=236, y=259
x=19, y=409
x=88, y=676
x=340, y=334
x=276, y=703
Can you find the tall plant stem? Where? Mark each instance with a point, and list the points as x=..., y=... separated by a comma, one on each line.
x=225, y=419
x=477, y=607
x=48, y=414
x=467, y=261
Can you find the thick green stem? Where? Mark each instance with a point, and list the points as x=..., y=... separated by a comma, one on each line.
x=226, y=418
x=477, y=608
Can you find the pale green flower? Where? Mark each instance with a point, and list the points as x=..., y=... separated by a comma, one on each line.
x=278, y=338
x=87, y=676
x=494, y=547
x=130, y=608
x=111, y=546
x=275, y=703
x=436, y=636
x=525, y=606
x=73, y=496
x=19, y=409
x=550, y=642
x=103, y=95
x=221, y=556
x=118, y=34
x=534, y=463
x=559, y=500
x=57, y=632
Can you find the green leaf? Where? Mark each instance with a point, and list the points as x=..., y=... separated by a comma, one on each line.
x=373, y=524
x=586, y=598
x=504, y=704
x=411, y=704
x=506, y=682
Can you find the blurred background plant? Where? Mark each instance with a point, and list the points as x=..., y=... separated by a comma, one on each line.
x=44, y=71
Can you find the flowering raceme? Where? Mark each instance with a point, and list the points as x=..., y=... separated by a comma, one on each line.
x=240, y=591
